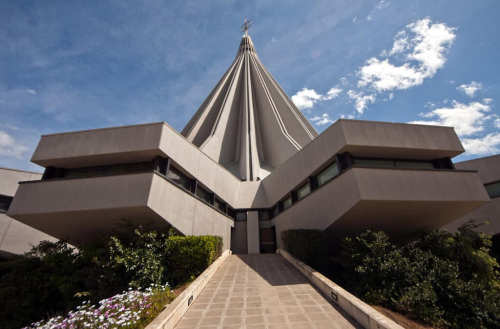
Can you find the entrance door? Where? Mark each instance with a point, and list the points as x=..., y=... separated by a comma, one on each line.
x=267, y=240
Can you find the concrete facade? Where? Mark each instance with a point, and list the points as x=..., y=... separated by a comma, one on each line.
x=16, y=238
x=359, y=174
x=489, y=172
x=248, y=123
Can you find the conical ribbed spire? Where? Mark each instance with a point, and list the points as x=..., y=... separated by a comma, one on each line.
x=248, y=123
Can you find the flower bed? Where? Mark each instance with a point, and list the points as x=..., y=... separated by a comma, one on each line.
x=131, y=309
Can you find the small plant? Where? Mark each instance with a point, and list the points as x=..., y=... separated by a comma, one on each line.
x=130, y=309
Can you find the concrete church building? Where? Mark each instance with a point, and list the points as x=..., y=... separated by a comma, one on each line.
x=247, y=166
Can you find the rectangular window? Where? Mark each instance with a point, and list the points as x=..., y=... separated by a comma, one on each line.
x=204, y=195
x=5, y=202
x=231, y=213
x=327, y=174
x=303, y=191
x=241, y=215
x=374, y=163
x=415, y=165
x=219, y=205
x=493, y=189
x=180, y=179
x=276, y=211
x=287, y=203
x=264, y=215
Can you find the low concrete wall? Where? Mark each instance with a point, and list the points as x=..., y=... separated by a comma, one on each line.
x=176, y=310
x=360, y=311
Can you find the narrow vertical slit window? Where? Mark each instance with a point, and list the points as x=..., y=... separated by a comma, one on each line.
x=303, y=191
x=287, y=203
x=276, y=211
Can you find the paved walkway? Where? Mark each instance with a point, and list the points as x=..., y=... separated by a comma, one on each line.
x=262, y=291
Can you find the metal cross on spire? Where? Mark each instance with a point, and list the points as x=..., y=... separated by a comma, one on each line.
x=246, y=26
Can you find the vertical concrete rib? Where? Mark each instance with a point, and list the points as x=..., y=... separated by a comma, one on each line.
x=270, y=128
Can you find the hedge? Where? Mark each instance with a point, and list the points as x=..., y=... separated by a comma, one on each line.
x=310, y=246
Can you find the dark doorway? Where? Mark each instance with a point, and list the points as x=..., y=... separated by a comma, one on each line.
x=268, y=240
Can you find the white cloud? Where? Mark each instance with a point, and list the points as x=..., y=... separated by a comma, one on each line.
x=9, y=146
x=379, y=6
x=497, y=123
x=391, y=96
x=361, y=100
x=427, y=44
x=489, y=144
x=355, y=19
x=446, y=101
x=487, y=100
x=430, y=105
x=400, y=44
x=470, y=89
x=321, y=120
x=306, y=98
x=30, y=91
x=343, y=81
x=382, y=4
x=467, y=119
x=332, y=93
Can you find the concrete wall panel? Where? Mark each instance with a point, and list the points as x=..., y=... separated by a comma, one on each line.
x=400, y=137
x=489, y=214
x=239, y=244
x=82, y=194
x=9, y=179
x=253, y=232
x=21, y=237
x=94, y=147
x=489, y=168
x=404, y=201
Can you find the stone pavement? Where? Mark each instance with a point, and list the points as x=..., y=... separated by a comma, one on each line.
x=262, y=291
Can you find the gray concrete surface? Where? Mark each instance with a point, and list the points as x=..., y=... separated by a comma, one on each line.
x=17, y=238
x=489, y=215
x=262, y=291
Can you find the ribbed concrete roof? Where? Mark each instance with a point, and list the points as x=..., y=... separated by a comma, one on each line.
x=248, y=123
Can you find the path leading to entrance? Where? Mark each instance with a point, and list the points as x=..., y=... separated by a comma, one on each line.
x=262, y=291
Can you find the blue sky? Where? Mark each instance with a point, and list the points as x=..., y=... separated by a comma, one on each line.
x=68, y=65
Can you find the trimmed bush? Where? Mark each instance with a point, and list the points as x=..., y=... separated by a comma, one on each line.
x=187, y=257
x=310, y=246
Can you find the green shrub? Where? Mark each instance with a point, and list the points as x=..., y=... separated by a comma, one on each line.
x=443, y=279
x=40, y=283
x=310, y=246
x=186, y=257
x=53, y=278
x=140, y=258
